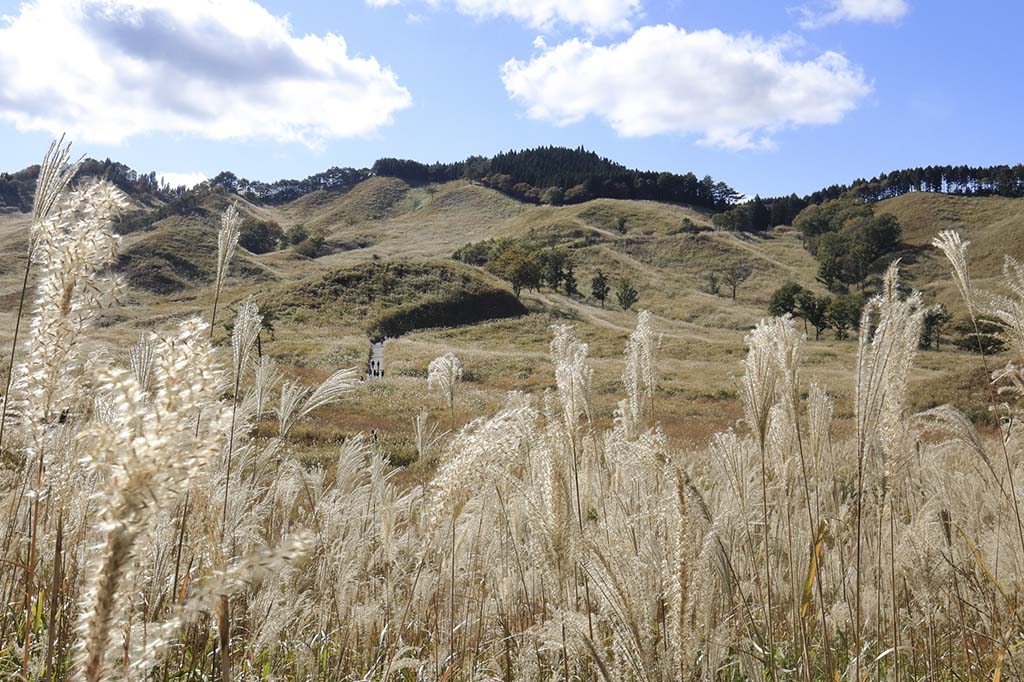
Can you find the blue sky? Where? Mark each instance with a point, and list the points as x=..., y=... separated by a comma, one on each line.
x=772, y=97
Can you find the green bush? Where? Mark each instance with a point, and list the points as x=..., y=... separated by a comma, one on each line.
x=260, y=236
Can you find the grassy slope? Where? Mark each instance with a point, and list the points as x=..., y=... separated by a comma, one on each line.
x=995, y=226
x=395, y=297
x=703, y=334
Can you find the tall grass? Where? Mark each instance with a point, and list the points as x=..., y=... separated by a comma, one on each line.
x=542, y=546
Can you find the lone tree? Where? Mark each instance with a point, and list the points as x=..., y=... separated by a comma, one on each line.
x=599, y=287
x=735, y=275
x=553, y=266
x=621, y=224
x=843, y=314
x=627, y=294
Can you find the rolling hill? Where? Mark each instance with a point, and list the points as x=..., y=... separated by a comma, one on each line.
x=386, y=270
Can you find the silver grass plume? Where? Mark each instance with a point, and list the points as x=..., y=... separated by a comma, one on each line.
x=952, y=422
x=955, y=249
x=640, y=373
x=1008, y=313
x=55, y=174
x=760, y=380
x=573, y=375
x=425, y=435
x=890, y=331
x=227, y=241
x=248, y=323
x=819, y=418
x=140, y=361
x=443, y=374
x=331, y=390
x=297, y=401
x=74, y=249
x=204, y=598
x=267, y=377
x=480, y=453
x=149, y=451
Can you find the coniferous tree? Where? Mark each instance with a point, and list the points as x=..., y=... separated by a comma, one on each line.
x=569, y=281
x=626, y=294
x=599, y=287
x=553, y=264
x=935, y=322
x=830, y=252
x=760, y=217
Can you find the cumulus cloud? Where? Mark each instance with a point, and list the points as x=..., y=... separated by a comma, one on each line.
x=188, y=179
x=732, y=91
x=594, y=16
x=833, y=11
x=105, y=70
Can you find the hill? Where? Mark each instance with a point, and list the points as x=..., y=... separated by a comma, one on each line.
x=385, y=269
x=181, y=256
x=994, y=225
x=397, y=297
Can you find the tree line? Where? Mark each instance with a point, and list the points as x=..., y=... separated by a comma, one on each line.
x=759, y=214
x=18, y=189
x=526, y=266
x=1002, y=180
x=841, y=314
x=283, y=191
x=557, y=175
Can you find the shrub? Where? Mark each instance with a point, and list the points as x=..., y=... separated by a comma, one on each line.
x=260, y=236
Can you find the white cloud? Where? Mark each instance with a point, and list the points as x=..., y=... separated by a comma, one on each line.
x=833, y=11
x=189, y=179
x=733, y=91
x=594, y=16
x=105, y=70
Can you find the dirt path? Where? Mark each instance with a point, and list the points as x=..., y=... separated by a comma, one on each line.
x=761, y=254
x=676, y=329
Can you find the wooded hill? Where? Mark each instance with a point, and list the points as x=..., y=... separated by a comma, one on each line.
x=555, y=176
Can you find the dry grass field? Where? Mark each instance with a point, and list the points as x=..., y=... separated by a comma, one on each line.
x=702, y=334
x=543, y=488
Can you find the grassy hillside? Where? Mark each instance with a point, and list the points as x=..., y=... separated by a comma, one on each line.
x=655, y=246
x=181, y=256
x=995, y=226
x=388, y=272
x=393, y=298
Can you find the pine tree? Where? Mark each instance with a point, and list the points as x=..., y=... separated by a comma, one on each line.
x=599, y=287
x=760, y=217
x=626, y=294
x=569, y=281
